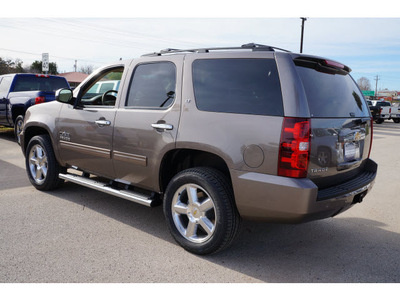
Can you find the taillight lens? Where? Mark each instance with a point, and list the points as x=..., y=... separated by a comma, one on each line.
x=294, y=148
x=335, y=64
x=40, y=100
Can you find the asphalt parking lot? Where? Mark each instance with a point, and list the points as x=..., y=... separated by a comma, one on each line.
x=76, y=234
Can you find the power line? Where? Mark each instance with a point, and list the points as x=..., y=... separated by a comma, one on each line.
x=119, y=31
x=55, y=56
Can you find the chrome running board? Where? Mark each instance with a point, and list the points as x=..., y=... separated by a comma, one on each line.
x=106, y=188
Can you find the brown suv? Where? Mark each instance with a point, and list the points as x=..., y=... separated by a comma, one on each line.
x=215, y=135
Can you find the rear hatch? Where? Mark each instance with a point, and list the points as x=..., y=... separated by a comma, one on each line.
x=341, y=126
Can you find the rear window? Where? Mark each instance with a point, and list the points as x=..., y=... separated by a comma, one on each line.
x=33, y=83
x=332, y=95
x=243, y=86
x=383, y=104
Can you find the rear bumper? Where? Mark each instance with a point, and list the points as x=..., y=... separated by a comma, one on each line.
x=288, y=200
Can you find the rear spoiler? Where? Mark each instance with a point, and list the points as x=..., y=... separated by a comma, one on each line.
x=322, y=65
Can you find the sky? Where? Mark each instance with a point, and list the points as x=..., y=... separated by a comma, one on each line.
x=368, y=44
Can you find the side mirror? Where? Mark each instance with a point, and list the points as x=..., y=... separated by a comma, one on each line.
x=64, y=95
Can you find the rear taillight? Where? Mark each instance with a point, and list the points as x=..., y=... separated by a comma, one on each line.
x=39, y=100
x=294, y=148
x=372, y=136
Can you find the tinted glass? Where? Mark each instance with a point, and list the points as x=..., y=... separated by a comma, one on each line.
x=383, y=104
x=152, y=86
x=244, y=86
x=33, y=83
x=332, y=95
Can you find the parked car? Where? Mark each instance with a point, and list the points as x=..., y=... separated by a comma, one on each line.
x=20, y=91
x=215, y=135
x=375, y=110
x=383, y=110
x=395, y=114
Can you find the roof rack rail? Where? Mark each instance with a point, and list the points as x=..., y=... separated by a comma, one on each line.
x=253, y=46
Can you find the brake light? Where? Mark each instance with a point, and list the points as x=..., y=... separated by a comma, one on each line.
x=294, y=148
x=42, y=75
x=335, y=64
x=39, y=100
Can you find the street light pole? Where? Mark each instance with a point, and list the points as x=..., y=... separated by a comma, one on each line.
x=302, y=33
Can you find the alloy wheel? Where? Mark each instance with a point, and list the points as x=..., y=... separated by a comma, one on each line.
x=38, y=164
x=193, y=212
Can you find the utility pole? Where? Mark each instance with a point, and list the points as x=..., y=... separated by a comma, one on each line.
x=376, y=85
x=75, y=65
x=302, y=33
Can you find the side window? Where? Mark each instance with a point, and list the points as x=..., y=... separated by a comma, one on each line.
x=152, y=86
x=103, y=91
x=5, y=85
x=242, y=86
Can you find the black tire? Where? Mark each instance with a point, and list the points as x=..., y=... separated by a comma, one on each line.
x=18, y=127
x=41, y=164
x=379, y=121
x=211, y=218
x=396, y=120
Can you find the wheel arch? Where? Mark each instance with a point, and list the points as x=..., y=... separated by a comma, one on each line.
x=178, y=160
x=34, y=130
x=16, y=111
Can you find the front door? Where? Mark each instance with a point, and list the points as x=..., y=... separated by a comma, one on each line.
x=85, y=130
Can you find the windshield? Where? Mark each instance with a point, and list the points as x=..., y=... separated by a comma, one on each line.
x=332, y=95
x=34, y=83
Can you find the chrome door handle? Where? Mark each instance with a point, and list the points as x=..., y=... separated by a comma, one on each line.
x=162, y=126
x=102, y=123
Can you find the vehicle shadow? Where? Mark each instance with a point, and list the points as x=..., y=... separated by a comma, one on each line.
x=333, y=250
x=12, y=176
x=7, y=134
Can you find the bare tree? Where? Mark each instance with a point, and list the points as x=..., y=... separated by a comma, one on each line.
x=87, y=69
x=364, y=84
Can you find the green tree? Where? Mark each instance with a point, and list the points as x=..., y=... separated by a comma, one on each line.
x=36, y=67
x=8, y=66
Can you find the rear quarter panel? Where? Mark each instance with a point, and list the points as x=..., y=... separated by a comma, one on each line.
x=244, y=142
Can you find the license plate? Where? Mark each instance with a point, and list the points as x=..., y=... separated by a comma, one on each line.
x=351, y=151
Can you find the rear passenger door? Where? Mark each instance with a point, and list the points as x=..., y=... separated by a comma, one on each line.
x=146, y=123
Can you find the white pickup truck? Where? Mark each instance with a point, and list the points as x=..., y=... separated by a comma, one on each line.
x=383, y=112
x=395, y=114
